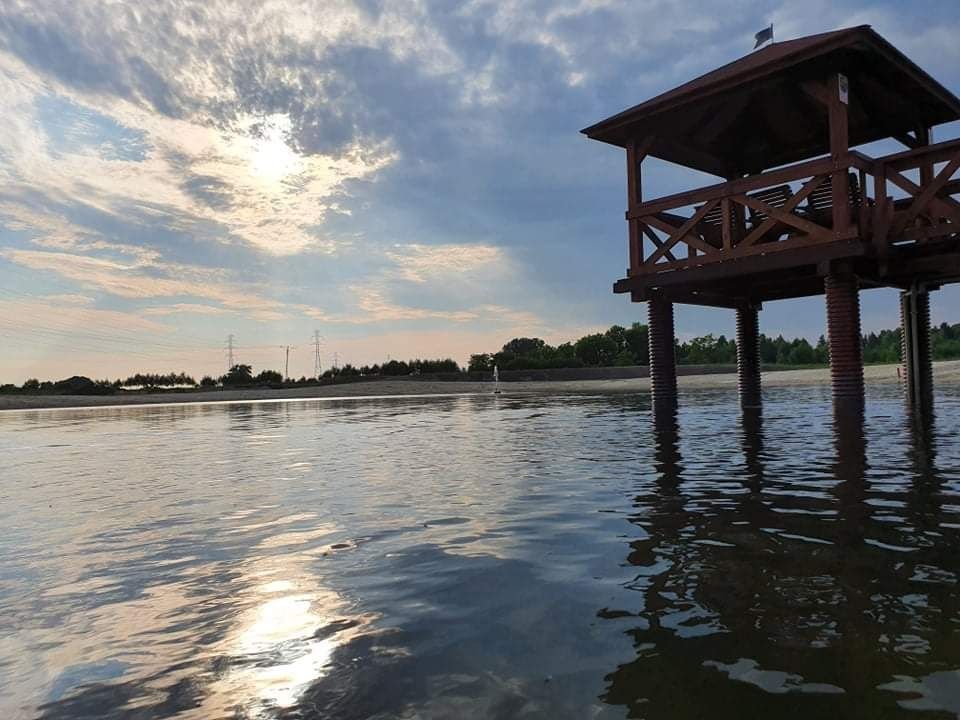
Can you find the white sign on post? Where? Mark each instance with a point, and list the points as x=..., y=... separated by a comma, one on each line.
x=844, y=88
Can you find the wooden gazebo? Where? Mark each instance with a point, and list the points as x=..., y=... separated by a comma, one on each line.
x=798, y=212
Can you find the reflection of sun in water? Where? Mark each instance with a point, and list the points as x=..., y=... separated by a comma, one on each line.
x=283, y=640
x=272, y=160
x=280, y=635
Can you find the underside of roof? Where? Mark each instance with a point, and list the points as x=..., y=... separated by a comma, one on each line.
x=754, y=113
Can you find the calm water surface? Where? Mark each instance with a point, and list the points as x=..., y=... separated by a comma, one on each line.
x=482, y=557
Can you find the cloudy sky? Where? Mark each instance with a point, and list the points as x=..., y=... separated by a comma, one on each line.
x=406, y=177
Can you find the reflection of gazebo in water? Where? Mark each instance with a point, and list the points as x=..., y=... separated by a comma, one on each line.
x=825, y=219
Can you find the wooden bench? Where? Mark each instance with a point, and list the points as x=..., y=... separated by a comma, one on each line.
x=775, y=197
x=819, y=205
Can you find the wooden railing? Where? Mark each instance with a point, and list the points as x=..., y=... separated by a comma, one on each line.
x=926, y=209
x=801, y=206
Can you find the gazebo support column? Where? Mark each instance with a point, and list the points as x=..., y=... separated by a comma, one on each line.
x=843, y=331
x=915, y=344
x=663, y=368
x=748, y=355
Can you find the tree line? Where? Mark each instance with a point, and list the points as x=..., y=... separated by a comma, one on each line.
x=617, y=346
x=240, y=375
x=624, y=346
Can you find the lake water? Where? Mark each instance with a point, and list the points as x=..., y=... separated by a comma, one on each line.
x=482, y=557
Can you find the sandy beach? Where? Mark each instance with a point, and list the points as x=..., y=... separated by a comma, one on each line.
x=946, y=371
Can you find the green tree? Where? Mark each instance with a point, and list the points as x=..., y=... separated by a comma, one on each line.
x=268, y=377
x=481, y=362
x=525, y=347
x=238, y=375
x=596, y=350
x=638, y=342
x=394, y=368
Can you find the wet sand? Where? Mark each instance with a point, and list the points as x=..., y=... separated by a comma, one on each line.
x=943, y=371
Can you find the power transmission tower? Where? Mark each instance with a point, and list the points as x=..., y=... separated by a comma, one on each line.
x=316, y=353
x=336, y=360
x=286, y=367
x=229, y=352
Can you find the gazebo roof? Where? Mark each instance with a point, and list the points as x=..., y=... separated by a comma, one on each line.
x=753, y=114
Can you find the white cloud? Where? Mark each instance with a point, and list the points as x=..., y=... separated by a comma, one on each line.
x=68, y=299
x=184, y=308
x=420, y=263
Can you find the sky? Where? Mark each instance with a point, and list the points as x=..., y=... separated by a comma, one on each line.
x=406, y=178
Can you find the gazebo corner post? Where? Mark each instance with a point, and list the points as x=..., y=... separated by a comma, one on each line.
x=636, y=152
x=748, y=355
x=662, y=349
x=924, y=139
x=837, y=101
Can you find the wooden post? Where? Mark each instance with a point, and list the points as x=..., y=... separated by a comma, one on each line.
x=726, y=231
x=882, y=210
x=843, y=332
x=636, y=152
x=924, y=138
x=633, y=197
x=915, y=347
x=837, y=94
x=748, y=355
x=663, y=367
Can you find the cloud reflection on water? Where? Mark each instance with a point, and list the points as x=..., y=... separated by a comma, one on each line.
x=481, y=556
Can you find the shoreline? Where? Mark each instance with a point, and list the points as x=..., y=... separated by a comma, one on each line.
x=948, y=370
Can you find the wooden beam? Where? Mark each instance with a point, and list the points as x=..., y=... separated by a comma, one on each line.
x=816, y=91
x=940, y=266
x=697, y=158
x=793, y=243
x=717, y=121
x=922, y=234
x=637, y=152
x=876, y=100
x=657, y=242
x=699, y=297
x=938, y=152
x=906, y=140
x=797, y=253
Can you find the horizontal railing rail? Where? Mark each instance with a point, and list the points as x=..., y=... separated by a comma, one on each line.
x=740, y=185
